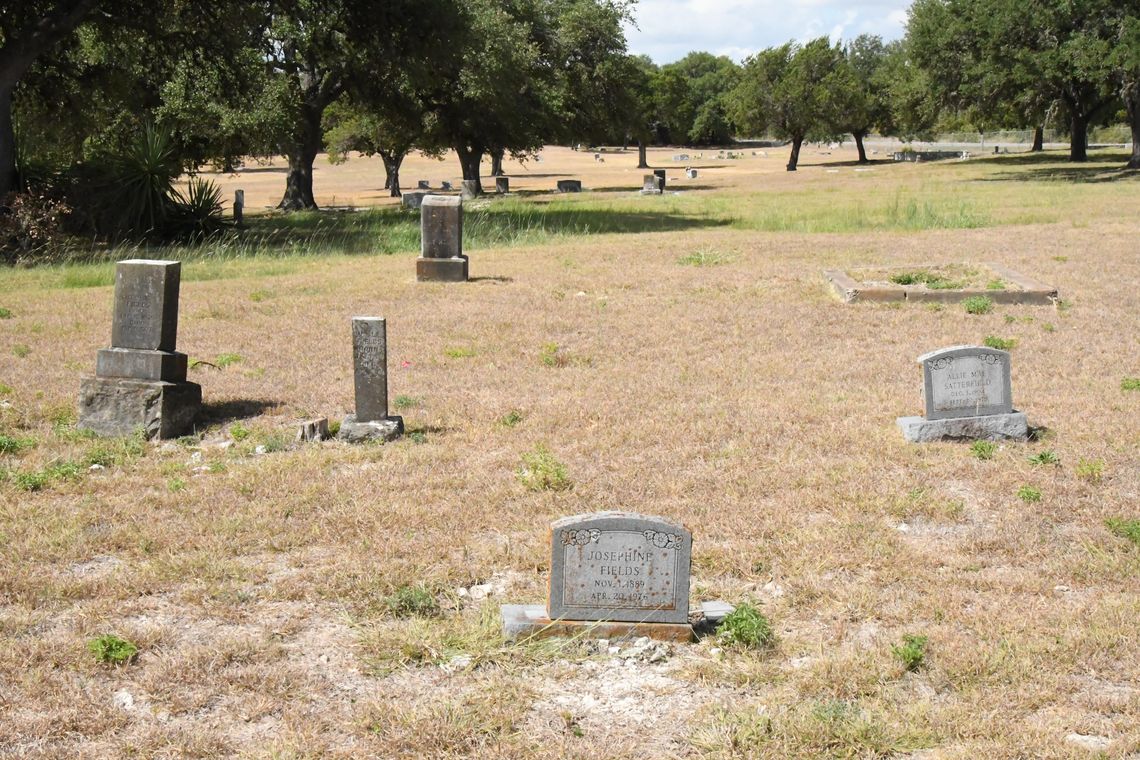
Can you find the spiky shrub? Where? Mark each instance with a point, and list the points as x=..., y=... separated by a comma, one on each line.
x=196, y=214
x=138, y=198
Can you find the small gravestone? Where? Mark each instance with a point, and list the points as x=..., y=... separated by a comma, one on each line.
x=469, y=189
x=502, y=185
x=649, y=185
x=239, y=206
x=968, y=397
x=423, y=184
x=441, y=248
x=370, y=382
x=569, y=185
x=412, y=200
x=691, y=173
x=445, y=185
x=140, y=381
x=660, y=174
x=612, y=574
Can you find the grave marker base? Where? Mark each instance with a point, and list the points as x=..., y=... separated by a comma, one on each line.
x=388, y=429
x=530, y=621
x=991, y=427
x=441, y=270
x=116, y=406
x=140, y=364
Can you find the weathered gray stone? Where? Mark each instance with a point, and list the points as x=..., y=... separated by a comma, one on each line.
x=140, y=364
x=441, y=227
x=660, y=174
x=370, y=368
x=376, y=430
x=691, y=173
x=502, y=185
x=469, y=189
x=442, y=270
x=530, y=621
x=239, y=206
x=569, y=185
x=966, y=381
x=649, y=185
x=146, y=304
x=423, y=184
x=313, y=430
x=412, y=200
x=620, y=566
x=120, y=406
x=992, y=427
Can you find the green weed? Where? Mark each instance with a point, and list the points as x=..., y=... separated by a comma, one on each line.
x=258, y=296
x=13, y=445
x=116, y=452
x=746, y=627
x=1048, y=456
x=984, y=449
x=912, y=651
x=459, y=352
x=1122, y=528
x=174, y=485
x=412, y=601
x=5, y=313
x=511, y=418
x=540, y=471
x=1048, y=327
x=405, y=402
x=1130, y=384
x=240, y=432
x=550, y=356
x=997, y=284
x=221, y=361
x=1091, y=470
x=112, y=649
x=21, y=351
x=978, y=305
x=1029, y=494
x=705, y=257
x=1002, y=344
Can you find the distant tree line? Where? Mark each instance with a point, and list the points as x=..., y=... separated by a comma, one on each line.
x=103, y=103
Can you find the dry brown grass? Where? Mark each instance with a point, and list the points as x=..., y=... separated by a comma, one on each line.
x=738, y=397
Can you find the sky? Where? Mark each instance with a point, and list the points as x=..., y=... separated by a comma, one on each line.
x=668, y=29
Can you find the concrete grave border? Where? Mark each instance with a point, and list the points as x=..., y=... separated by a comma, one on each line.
x=1031, y=292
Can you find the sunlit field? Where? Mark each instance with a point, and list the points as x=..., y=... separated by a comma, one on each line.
x=677, y=355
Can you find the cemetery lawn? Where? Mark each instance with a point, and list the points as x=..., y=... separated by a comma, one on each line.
x=678, y=356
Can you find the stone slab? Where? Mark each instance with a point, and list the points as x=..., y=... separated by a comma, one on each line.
x=146, y=304
x=412, y=200
x=619, y=567
x=530, y=621
x=502, y=185
x=569, y=185
x=313, y=430
x=991, y=427
x=966, y=381
x=376, y=430
x=141, y=364
x=370, y=368
x=442, y=270
x=115, y=406
x=441, y=227
x=469, y=189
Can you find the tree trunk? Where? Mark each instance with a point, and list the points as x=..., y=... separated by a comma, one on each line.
x=392, y=163
x=7, y=144
x=1079, y=140
x=794, y=159
x=642, y=162
x=859, y=145
x=497, y=163
x=1038, y=140
x=1132, y=103
x=470, y=157
x=301, y=155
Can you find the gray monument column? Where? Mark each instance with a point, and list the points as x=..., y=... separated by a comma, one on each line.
x=140, y=381
x=370, y=381
x=441, y=246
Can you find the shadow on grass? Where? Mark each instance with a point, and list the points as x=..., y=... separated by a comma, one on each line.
x=1054, y=166
x=1072, y=174
x=844, y=164
x=221, y=412
x=491, y=279
x=668, y=188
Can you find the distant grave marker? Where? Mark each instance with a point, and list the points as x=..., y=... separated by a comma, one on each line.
x=502, y=185
x=441, y=247
x=649, y=185
x=370, y=384
x=569, y=185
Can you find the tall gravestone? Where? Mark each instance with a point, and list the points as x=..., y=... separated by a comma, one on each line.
x=469, y=189
x=502, y=185
x=649, y=185
x=968, y=396
x=441, y=240
x=140, y=381
x=660, y=175
x=370, y=383
x=613, y=574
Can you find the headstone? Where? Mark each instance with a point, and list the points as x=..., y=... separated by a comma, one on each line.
x=469, y=189
x=313, y=430
x=569, y=185
x=239, y=206
x=445, y=185
x=370, y=382
x=691, y=173
x=412, y=200
x=649, y=185
x=502, y=185
x=968, y=396
x=612, y=574
x=140, y=381
x=441, y=248
x=660, y=174
x=423, y=184
x=597, y=156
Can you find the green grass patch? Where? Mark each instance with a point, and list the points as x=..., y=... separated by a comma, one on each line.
x=912, y=651
x=1128, y=529
x=5, y=313
x=996, y=284
x=21, y=350
x=541, y=471
x=1091, y=470
x=984, y=450
x=978, y=305
x=412, y=601
x=10, y=444
x=705, y=257
x=746, y=627
x=511, y=418
x=1029, y=494
x=39, y=480
x=405, y=402
x=1046, y=457
x=1002, y=344
x=112, y=650
x=1130, y=384
x=459, y=352
x=116, y=452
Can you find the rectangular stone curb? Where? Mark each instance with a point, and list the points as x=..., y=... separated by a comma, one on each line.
x=1034, y=292
x=529, y=621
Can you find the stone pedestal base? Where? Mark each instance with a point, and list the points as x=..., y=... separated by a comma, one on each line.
x=388, y=429
x=530, y=621
x=141, y=365
x=119, y=406
x=991, y=427
x=650, y=191
x=441, y=270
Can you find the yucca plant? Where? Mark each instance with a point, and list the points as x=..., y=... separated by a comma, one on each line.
x=197, y=213
x=142, y=179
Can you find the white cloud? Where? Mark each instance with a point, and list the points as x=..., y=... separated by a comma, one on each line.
x=668, y=29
